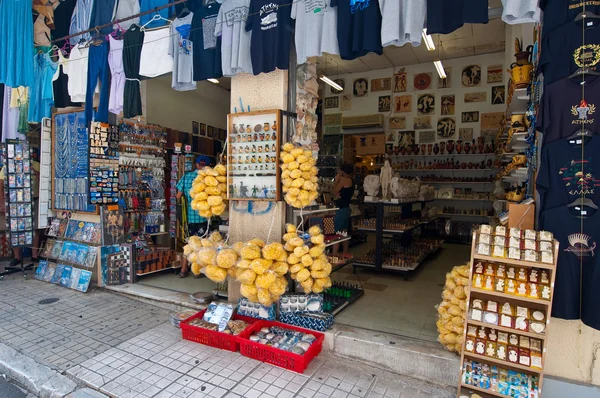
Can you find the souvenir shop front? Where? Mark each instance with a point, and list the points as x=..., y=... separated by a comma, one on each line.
x=342, y=176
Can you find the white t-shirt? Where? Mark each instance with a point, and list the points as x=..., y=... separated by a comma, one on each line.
x=235, y=41
x=316, y=28
x=77, y=69
x=402, y=21
x=521, y=11
x=124, y=9
x=155, y=59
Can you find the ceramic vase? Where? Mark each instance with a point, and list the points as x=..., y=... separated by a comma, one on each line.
x=459, y=146
x=429, y=148
x=423, y=149
x=450, y=146
x=467, y=147
x=436, y=149
x=443, y=148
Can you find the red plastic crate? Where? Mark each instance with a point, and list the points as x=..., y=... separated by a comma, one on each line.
x=214, y=338
x=275, y=356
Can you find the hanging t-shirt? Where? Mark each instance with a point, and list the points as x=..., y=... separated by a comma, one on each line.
x=235, y=41
x=77, y=69
x=316, y=29
x=402, y=21
x=124, y=9
x=271, y=25
x=62, y=20
x=148, y=5
x=563, y=51
x=40, y=96
x=445, y=16
x=207, y=46
x=565, y=173
x=358, y=27
x=561, y=113
x=558, y=12
x=520, y=11
x=577, y=252
x=155, y=59
x=60, y=84
x=181, y=49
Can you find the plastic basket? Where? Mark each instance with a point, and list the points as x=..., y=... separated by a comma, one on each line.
x=214, y=338
x=275, y=356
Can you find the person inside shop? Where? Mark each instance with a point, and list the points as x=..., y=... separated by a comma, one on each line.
x=196, y=225
x=343, y=189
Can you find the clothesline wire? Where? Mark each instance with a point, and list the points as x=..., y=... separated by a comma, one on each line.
x=156, y=9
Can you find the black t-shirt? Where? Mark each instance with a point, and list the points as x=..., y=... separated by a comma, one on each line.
x=62, y=20
x=358, y=28
x=565, y=173
x=444, y=16
x=561, y=112
x=271, y=25
x=207, y=47
x=562, y=48
x=578, y=270
x=558, y=12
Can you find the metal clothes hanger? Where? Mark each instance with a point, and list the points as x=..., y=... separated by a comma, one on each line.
x=583, y=202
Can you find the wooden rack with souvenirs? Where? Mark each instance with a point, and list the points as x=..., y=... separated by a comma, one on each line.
x=508, y=310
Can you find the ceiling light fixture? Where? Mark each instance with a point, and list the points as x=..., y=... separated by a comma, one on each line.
x=440, y=69
x=428, y=40
x=215, y=81
x=331, y=83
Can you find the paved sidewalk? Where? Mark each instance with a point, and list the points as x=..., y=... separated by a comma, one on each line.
x=124, y=348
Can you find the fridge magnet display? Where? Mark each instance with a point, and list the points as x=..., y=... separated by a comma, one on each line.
x=383, y=84
x=397, y=122
x=422, y=81
x=385, y=103
x=465, y=134
x=345, y=102
x=475, y=97
x=400, y=82
x=332, y=102
x=426, y=104
x=498, y=93
x=104, y=164
x=448, y=105
x=341, y=83
x=422, y=122
x=471, y=76
x=253, y=155
x=494, y=74
x=70, y=157
x=446, y=127
x=426, y=137
x=403, y=103
x=447, y=81
x=360, y=87
x=470, y=117
x=19, y=212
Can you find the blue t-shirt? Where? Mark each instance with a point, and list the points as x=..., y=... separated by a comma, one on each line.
x=147, y=5
x=207, y=47
x=558, y=12
x=358, y=28
x=271, y=25
x=444, y=16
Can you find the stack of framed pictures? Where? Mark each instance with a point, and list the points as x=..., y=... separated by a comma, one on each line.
x=19, y=196
x=64, y=275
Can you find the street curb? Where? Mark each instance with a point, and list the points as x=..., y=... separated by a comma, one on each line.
x=34, y=377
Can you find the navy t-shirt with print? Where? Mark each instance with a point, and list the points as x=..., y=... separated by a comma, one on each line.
x=358, y=28
x=566, y=172
x=272, y=26
x=207, y=47
x=577, y=284
x=560, y=113
x=558, y=12
x=561, y=44
x=445, y=16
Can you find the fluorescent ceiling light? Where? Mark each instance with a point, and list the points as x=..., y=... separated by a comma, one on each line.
x=440, y=69
x=428, y=40
x=215, y=81
x=332, y=83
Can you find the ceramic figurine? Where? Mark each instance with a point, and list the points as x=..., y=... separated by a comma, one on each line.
x=385, y=179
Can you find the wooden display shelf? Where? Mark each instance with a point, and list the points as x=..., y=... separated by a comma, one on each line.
x=532, y=303
x=510, y=261
x=508, y=330
x=503, y=364
x=511, y=296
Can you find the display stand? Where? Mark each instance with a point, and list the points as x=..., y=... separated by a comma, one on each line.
x=406, y=236
x=533, y=304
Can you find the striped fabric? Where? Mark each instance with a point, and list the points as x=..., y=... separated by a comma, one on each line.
x=80, y=20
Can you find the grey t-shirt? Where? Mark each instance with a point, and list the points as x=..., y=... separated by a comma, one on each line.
x=316, y=28
x=235, y=41
x=402, y=21
x=521, y=11
x=181, y=49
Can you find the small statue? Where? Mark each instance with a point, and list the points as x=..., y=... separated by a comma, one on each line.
x=371, y=185
x=385, y=179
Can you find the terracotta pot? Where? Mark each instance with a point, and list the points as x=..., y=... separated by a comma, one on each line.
x=450, y=146
x=442, y=148
x=429, y=148
x=423, y=149
x=467, y=147
x=415, y=149
x=403, y=150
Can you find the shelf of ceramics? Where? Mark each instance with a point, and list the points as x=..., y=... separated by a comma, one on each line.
x=519, y=102
x=436, y=170
x=507, y=330
x=522, y=263
x=413, y=266
x=336, y=241
x=446, y=155
x=502, y=363
x=458, y=182
x=507, y=296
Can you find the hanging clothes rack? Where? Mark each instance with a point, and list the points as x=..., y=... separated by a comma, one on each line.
x=118, y=21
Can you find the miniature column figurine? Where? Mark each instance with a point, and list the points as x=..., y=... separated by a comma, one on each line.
x=385, y=178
